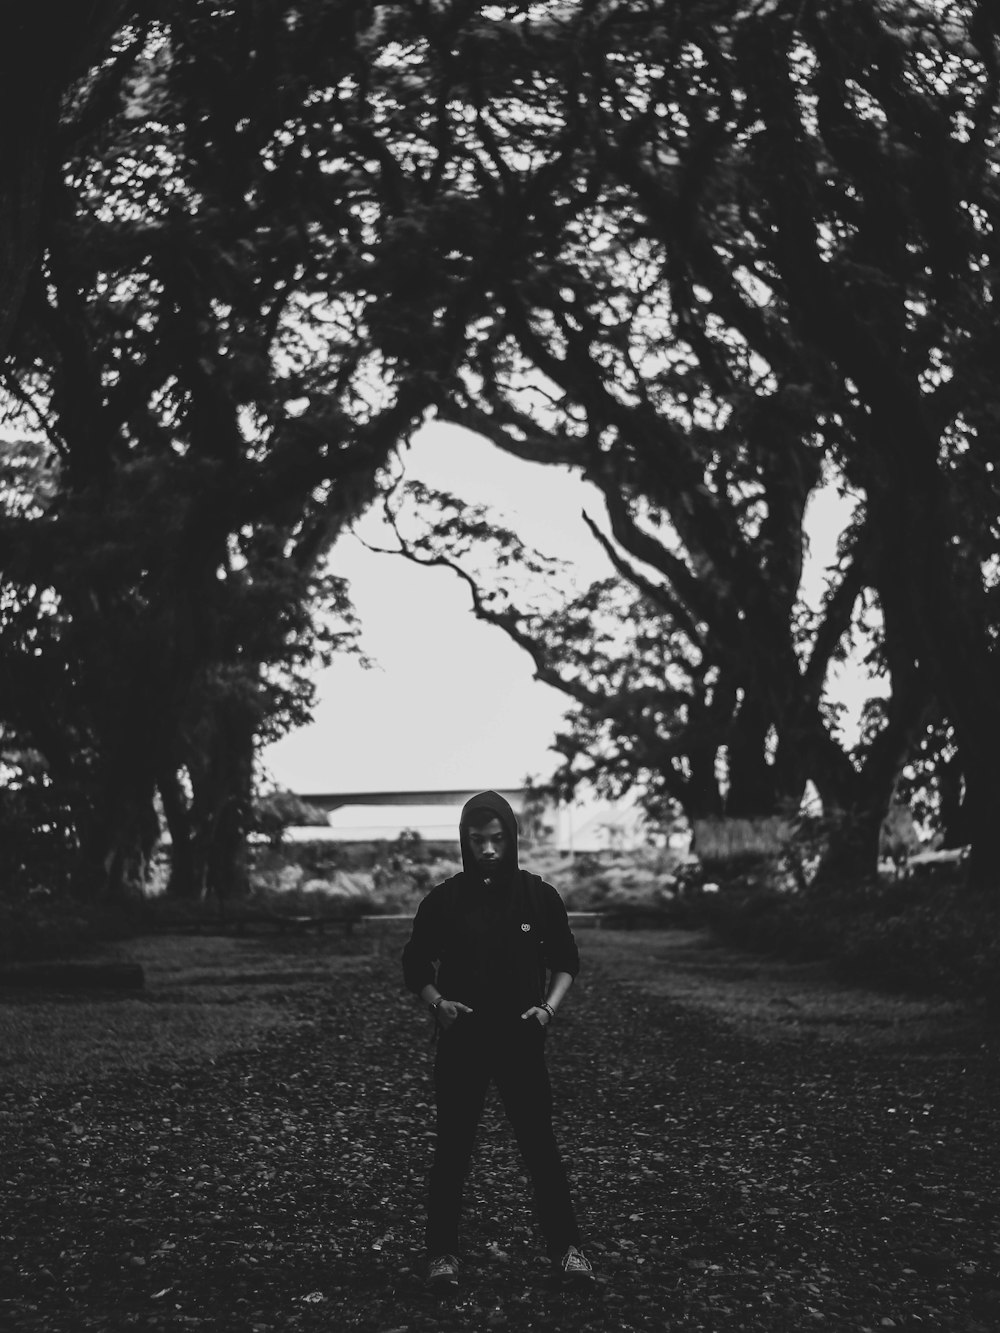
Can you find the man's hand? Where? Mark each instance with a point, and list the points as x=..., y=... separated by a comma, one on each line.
x=448, y=1011
x=542, y=1015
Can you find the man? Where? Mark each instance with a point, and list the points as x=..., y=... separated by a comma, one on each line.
x=481, y=946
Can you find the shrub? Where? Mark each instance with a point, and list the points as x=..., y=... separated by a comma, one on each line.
x=38, y=843
x=943, y=939
x=279, y=810
x=36, y=925
x=917, y=935
x=346, y=895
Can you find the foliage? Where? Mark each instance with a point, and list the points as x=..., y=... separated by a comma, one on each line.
x=383, y=877
x=37, y=835
x=45, y=49
x=215, y=361
x=744, y=287
x=313, y=898
x=278, y=810
x=37, y=924
x=933, y=785
x=700, y=261
x=919, y=934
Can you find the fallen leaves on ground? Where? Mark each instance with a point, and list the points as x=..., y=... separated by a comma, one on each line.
x=724, y=1183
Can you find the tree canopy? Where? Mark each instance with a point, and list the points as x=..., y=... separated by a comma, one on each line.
x=713, y=258
x=765, y=263
x=211, y=355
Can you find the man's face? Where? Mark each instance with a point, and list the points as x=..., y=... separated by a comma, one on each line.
x=488, y=843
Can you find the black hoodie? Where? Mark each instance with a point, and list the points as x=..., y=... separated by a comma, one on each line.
x=487, y=936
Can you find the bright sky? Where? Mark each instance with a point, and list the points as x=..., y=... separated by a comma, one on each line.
x=452, y=702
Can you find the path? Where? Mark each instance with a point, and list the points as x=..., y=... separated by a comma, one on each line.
x=733, y=1174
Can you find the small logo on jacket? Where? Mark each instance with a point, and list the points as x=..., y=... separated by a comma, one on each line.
x=525, y=925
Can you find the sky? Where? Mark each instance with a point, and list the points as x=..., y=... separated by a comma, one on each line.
x=452, y=702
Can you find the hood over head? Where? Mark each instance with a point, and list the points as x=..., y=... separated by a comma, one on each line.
x=493, y=802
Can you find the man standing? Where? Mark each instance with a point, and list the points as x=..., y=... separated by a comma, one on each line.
x=481, y=946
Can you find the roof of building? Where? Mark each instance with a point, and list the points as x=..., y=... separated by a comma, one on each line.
x=456, y=796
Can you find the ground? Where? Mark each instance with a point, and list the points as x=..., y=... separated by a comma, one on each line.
x=243, y=1147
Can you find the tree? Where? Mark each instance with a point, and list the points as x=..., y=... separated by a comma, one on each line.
x=693, y=254
x=278, y=810
x=215, y=360
x=255, y=281
x=768, y=251
x=933, y=786
x=46, y=49
x=650, y=711
x=852, y=227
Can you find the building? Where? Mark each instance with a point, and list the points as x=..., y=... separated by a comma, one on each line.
x=581, y=826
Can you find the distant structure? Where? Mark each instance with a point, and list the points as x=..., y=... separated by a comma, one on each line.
x=381, y=816
x=453, y=796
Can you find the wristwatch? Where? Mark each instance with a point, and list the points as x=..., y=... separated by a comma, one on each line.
x=434, y=1003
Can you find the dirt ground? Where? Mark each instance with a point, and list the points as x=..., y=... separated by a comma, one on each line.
x=243, y=1146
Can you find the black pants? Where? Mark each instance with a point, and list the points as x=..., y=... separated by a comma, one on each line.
x=511, y=1053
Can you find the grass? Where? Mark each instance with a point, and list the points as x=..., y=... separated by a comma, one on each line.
x=206, y=996
x=777, y=999
x=203, y=997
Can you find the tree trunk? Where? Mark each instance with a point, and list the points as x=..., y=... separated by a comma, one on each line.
x=24, y=152
x=982, y=812
x=223, y=803
x=751, y=793
x=43, y=46
x=863, y=798
x=965, y=675
x=188, y=872
x=850, y=856
x=930, y=581
x=702, y=797
x=954, y=813
x=118, y=842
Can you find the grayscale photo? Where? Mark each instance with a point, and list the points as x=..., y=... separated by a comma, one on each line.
x=500, y=666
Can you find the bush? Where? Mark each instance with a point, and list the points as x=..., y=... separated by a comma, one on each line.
x=389, y=877
x=346, y=896
x=646, y=887
x=38, y=843
x=917, y=935
x=37, y=925
x=943, y=939
x=280, y=810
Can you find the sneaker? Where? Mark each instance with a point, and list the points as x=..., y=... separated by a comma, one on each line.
x=443, y=1271
x=576, y=1265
